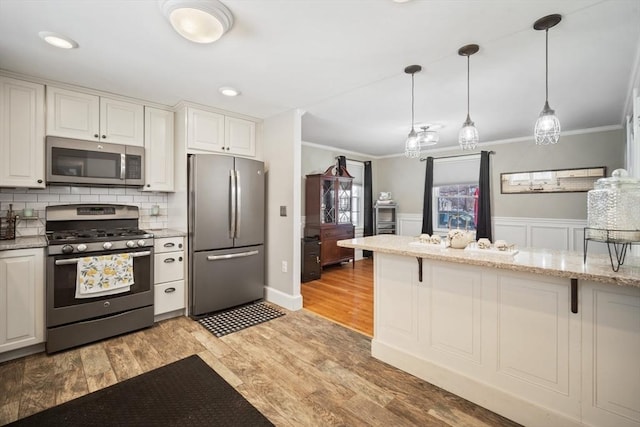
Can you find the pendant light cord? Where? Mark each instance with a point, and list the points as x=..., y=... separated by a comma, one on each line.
x=412, y=74
x=468, y=68
x=546, y=67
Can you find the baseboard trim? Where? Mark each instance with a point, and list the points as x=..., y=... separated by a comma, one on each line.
x=290, y=302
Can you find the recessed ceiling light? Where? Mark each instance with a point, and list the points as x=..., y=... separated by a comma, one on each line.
x=58, y=40
x=229, y=91
x=203, y=21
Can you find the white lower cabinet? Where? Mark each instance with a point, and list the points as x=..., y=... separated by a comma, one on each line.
x=509, y=341
x=169, y=265
x=21, y=298
x=611, y=355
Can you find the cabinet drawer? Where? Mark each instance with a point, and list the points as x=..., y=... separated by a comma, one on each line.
x=168, y=244
x=337, y=234
x=168, y=297
x=168, y=267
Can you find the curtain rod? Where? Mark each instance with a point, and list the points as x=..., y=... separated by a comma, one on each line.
x=353, y=160
x=459, y=155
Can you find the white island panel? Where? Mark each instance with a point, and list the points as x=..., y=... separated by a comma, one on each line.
x=502, y=331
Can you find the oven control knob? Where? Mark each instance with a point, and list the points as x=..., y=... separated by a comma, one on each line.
x=107, y=245
x=67, y=249
x=141, y=242
x=131, y=244
x=81, y=247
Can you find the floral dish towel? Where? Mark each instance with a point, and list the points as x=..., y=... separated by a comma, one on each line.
x=104, y=275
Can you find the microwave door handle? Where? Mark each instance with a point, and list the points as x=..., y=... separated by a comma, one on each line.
x=123, y=165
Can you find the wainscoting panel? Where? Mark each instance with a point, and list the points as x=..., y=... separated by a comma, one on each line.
x=548, y=233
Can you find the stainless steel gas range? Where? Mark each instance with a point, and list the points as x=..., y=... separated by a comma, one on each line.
x=86, y=242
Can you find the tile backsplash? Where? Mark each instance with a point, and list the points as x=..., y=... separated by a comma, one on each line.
x=39, y=199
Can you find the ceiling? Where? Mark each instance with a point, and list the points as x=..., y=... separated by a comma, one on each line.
x=342, y=61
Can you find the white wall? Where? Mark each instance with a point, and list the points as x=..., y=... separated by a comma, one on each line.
x=405, y=177
x=282, y=151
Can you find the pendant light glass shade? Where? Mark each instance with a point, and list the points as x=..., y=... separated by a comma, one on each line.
x=547, y=128
x=468, y=137
x=411, y=145
x=427, y=137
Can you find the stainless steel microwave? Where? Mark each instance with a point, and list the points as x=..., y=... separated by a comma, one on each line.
x=80, y=162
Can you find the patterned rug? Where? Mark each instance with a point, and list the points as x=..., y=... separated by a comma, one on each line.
x=224, y=323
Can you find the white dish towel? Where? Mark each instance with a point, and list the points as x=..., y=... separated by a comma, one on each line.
x=104, y=275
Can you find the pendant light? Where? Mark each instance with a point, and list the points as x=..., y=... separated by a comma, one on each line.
x=468, y=137
x=411, y=146
x=547, y=129
x=427, y=137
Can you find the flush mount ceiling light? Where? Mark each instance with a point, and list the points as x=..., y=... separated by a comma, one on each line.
x=411, y=146
x=201, y=21
x=468, y=137
x=427, y=136
x=229, y=91
x=547, y=129
x=58, y=40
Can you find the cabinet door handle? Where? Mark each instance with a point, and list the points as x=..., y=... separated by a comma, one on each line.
x=169, y=290
x=317, y=259
x=169, y=245
x=168, y=260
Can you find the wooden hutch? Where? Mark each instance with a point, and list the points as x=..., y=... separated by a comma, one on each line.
x=328, y=213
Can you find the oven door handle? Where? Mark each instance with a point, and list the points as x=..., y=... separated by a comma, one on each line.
x=75, y=260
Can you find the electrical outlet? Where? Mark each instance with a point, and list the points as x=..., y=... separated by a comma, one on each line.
x=284, y=266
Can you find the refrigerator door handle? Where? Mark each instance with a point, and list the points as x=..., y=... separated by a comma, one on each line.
x=238, y=204
x=230, y=256
x=232, y=204
x=123, y=166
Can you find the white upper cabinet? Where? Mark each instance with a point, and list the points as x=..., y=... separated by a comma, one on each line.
x=240, y=136
x=21, y=134
x=205, y=130
x=216, y=133
x=158, y=143
x=83, y=116
x=121, y=122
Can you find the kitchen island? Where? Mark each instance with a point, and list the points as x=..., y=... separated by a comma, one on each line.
x=535, y=335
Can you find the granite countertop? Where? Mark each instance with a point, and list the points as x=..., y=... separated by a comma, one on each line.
x=541, y=261
x=159, y=233
x=26, y=242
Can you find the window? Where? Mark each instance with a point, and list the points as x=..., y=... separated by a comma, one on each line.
x=455, y=206
x=356, y=170
x=455, y=192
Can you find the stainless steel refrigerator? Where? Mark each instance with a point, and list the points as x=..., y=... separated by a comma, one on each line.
x=226, y=232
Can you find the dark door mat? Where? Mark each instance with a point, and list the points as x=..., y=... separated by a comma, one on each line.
x=224, y=323
x=184, y=393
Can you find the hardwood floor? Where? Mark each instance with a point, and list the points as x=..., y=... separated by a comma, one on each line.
x=343, y=294
x=298, y=370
